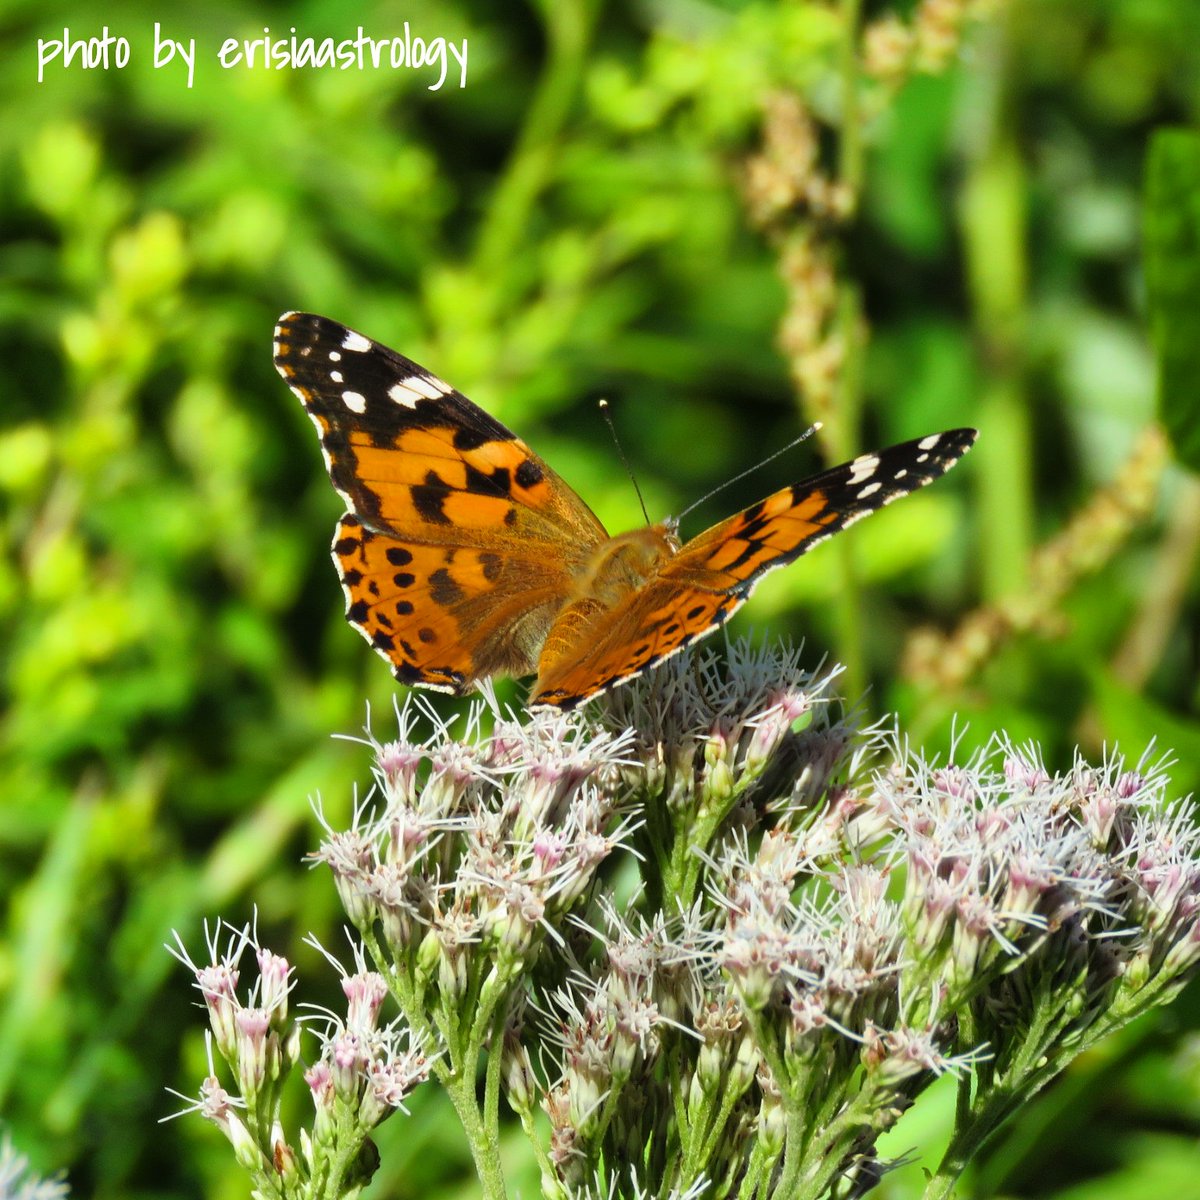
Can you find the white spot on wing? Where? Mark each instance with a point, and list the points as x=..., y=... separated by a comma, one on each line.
x=425, y=386
x=356, y=342
x=354, y=401
x=402, y=394
x=863, y=467
x=870, y=490
x=336, y=376
x=928, y=443
x=335, y=356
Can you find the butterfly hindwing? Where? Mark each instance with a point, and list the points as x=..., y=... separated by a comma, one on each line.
x=383, y=594
x=699, y=589
x=442, y=616
x=656, y=621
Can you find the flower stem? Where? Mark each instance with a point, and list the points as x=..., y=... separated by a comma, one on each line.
x=484, y=1142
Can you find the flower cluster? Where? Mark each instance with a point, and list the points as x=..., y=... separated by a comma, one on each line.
x=926, y=43
x=819, y=939
x=362, y=1073
x=477, y=847
x=718, y=935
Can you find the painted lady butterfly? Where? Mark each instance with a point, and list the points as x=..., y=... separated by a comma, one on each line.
x=463, y=555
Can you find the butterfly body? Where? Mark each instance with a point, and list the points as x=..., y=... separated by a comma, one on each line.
x=622, y=564
x=463, y=555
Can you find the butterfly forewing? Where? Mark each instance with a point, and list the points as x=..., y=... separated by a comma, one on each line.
x=734, y=553
x=702, y=586
x=410, y=453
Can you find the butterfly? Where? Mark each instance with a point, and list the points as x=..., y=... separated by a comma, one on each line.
x=463, y=555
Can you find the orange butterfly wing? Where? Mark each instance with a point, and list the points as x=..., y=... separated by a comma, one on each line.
x=461, y=545
x=699, y=589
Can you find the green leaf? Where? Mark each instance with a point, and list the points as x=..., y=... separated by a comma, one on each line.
x=1173, y=283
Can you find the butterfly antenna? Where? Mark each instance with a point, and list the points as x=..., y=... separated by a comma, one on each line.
x=750, y=470
x=604, y=409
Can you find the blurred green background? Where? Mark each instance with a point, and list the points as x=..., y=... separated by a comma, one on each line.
x=573, y=223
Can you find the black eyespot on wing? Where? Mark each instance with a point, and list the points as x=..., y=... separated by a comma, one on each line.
x=529, y=474
x=443, y=589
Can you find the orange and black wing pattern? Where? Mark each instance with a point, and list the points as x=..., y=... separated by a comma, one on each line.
x=700, y=588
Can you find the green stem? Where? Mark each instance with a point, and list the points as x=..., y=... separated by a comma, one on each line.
x=653, y=840
x=683, y=867
x=850, y=151
x=484, y=1142
x=495, y=1067
x=825, y=1152
x=545, y=1166
x=456, y=1072
x=503, y=230
x=967, y=1036
x=1033, y=1066
x=758, y=1173
x=994, y=226
x=793, y=1155
x=812, y=1162
x=677, y=1085
x=710, y=1129
x=493, y=989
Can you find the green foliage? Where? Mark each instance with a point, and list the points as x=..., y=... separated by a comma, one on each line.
x=1173, y=282
x=172, y=651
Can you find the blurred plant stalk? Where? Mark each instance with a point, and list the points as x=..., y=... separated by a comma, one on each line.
x=947, y=663
x=707, y=938
x=803, y=204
